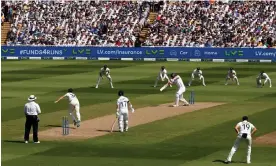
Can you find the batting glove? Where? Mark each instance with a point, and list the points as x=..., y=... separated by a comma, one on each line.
x=117, y=114
x=132, y=110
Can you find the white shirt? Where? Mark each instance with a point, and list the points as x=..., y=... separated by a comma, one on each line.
x=263, y=76
x=245, y=127
x=104, y=71
x=122, y=104
x=232, y=74
x=197, y=72
x=72, y=98
x=178, y=81
x=32, y=108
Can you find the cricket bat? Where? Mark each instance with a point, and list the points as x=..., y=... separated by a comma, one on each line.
x=112, y=127
x=164, y=87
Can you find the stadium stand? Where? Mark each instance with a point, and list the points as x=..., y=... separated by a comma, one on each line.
x=167, y=23
x=215, y=24
x=100, y=23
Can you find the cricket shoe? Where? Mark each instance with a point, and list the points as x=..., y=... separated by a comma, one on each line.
x=38, y=142
x=248, y=162
x=78, y=124
x=175, y=105
x=186, y=104
x=75, y=122
x=227, y=162
x=96, y=87
x=26, y=142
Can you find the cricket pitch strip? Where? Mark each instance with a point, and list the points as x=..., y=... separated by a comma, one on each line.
x=102, y=125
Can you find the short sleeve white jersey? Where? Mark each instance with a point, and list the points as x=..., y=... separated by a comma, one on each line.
x=122, y=104
x=163, y=72
x=105, y=71
x=71, y=97
x=233, y=73
x=197, y=72
x=245, y=127
x=178, y=81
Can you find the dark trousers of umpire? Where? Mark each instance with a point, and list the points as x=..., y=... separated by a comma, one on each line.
x=31, y=121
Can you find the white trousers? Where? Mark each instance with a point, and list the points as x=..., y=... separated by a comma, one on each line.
x=74, y=106
x=236, y=146
x=201, y=78
x=108, y=77
x=179, y=96
x=159, y=78
x=234, y=78
x=123, y=122
x=259, y=82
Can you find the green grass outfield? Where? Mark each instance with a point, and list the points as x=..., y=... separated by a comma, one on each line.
x=201, y=138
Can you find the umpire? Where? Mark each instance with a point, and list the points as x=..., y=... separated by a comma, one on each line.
x=31, y=110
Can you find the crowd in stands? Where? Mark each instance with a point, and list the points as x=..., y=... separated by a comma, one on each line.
x=61, y=22
x=215, y=24
x=118, y=23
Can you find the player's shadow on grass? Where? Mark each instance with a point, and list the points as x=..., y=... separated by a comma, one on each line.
x=223, y=161
x=108, y=131
x=14, y=141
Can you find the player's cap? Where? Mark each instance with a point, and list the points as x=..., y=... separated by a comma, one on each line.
x=231, y=68
x=120, y=93
x=262, y=72
x=173, y=75
x=162, y=67
x=70, y=90
x=244, y=118
x=105, y=66
x=198, y=68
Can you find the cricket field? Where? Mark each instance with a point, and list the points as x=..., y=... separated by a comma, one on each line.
x=197, y=138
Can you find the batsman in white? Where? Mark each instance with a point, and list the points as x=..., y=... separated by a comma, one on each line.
x=232, y=75
x=261, y=76
x=176, y=79
x=197, y=72
x=162, y=75
x=74, y=105
x=123, y=105
x=105, y=71
x=244, y=129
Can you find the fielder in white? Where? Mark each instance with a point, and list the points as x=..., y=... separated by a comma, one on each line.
x=123, y=104
x=244, y=129
x=105, y=71
x=74, y=105
x=176, y=79
x=232, y=75
x=162, y=75
x=266, y=78
x=197, y=72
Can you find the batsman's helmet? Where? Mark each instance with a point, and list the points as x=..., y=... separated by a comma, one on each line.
x=231, y=68
x=262, y=72
x=121, y=93
x=162, y=67
x=105, y=66
x=244, y=118
x=198, y=68
x=173, y=75
x=70, y=90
